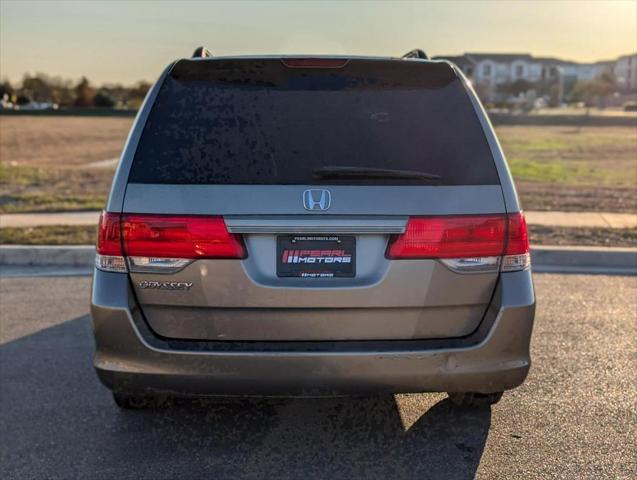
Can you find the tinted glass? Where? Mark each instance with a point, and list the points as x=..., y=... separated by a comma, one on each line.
x=260, y=122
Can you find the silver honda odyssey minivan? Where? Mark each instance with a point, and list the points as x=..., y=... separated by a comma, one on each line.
x=307, y=226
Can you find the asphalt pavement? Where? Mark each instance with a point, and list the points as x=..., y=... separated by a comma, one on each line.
x=575, y=417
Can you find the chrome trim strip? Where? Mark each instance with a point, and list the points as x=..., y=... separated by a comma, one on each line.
x=240, y=224
x=157, y=264
x=472, y=265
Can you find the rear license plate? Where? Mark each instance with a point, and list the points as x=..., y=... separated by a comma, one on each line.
x=316, y=256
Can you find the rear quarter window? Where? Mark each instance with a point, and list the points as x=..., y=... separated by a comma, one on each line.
x=260, y=122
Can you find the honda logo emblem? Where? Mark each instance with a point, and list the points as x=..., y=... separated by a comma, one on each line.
x=316, y=199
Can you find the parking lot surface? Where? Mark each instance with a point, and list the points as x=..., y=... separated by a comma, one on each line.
x=575, y=417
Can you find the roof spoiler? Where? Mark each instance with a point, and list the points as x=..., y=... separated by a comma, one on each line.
x=201, y=52
x=416, y=53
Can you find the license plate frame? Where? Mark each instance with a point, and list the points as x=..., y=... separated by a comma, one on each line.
x=316, y=256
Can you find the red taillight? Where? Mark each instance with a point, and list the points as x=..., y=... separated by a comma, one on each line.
x=109, y=256
x=517, y=237
x=473, y=237
x=450, y=237
x=314, y=62
x=109, y=241
x=176, y=236
x=517, y=256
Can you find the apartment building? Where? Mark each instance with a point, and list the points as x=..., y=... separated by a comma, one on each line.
x=626, y=72
x=491, y=71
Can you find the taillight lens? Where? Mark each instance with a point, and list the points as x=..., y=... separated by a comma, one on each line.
x=471, y=243
x=450, y=237
x=517, y=237
x=109, y=256
x=109, y=240
x=179, y=237
x=517, y=255
x=162, y=243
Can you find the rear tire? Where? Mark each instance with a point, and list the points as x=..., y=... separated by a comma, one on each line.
x=473, y=399
x=129, y=401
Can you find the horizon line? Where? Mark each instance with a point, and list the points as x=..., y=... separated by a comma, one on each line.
x=35, y=73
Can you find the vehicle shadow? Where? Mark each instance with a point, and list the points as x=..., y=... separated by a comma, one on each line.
x=62, y=423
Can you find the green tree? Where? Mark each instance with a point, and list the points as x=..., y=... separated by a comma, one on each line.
x=84, y=93
x=103, y=99
x=517, y=87
x=140, y=90
x=6, y=89
x=37, y=88
x=554, y=95
x=22, y=99
x=595, y=91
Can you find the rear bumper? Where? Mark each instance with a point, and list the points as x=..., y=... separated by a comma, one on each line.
x=130, y=357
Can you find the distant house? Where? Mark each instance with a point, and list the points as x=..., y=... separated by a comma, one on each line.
x=504, y=68
x=626, y=73
x=492, y=72
x=566, y=74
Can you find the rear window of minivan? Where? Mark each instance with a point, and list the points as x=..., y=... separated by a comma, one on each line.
x=257, y=121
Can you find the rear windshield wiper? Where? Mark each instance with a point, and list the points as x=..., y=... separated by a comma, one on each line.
x=364, y=172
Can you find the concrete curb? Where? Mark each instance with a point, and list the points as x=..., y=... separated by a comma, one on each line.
x=573, y=259
x=556, y=259
x=47, y=256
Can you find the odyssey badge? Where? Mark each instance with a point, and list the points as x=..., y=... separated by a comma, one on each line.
x=165, y=285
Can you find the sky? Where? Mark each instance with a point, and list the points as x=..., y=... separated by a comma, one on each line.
x=125, y=41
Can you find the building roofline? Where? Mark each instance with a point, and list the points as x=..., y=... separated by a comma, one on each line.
x=475, y=57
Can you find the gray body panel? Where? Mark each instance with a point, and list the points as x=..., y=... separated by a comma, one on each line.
x=221, y=302
x=130, y=357
x=312, y=324
x=287, y=200
x=233, y=300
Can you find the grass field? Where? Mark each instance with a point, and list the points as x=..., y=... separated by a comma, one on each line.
x=46, y=161
x=52, y=235
x=602, y=156
x=46, y=189
x=52, y=164
x=61, y=141
x=571, y=168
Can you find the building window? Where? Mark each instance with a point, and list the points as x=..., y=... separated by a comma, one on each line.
x=486, y=70
x=519, y=70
